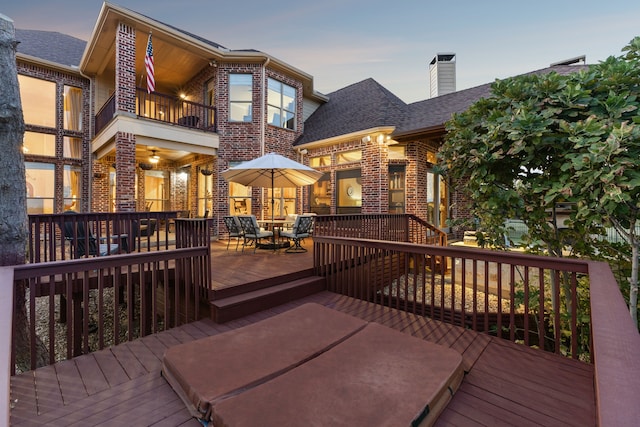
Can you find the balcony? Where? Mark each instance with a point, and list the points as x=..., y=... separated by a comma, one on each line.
x=163, y=108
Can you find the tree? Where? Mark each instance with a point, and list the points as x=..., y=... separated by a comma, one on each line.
x=542, y=139
x=13, y=209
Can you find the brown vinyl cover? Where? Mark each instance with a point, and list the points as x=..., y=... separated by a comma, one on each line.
x=213, y=368
x=377, y=377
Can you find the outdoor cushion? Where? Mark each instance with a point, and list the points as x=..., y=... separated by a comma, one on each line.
x=209, y=369
x=378, y=377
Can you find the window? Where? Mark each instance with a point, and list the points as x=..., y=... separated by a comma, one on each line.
x=281, y=100
x=320, y=195
x=240, y=97
x=39, y=144
x=38, y=101
x=349, y=157
x=40, y=187
x=396, y=189
x=239, y=197
x=72, y=108
x=71, y=187
x=284, y=202
x=155, y=193
x=397, y=152
x=72, y=148
x=349, y=191
x=316, y=162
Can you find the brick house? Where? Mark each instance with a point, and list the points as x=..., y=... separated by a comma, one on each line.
x=98, y=140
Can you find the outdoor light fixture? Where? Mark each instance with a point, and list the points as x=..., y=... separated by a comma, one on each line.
x=366, y=139
x=154, y=158
x=303, y=151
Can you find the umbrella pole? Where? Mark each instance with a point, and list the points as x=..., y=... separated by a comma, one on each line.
x=273, y=237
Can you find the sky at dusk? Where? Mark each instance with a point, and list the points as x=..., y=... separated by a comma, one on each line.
x=340, y=42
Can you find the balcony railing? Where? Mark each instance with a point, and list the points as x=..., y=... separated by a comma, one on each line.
x=163, y=108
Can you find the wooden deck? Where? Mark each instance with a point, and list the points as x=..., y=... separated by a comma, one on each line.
x=234, y=268
x=506, y=383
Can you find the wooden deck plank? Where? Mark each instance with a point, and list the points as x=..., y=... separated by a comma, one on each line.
x=99, y=402
x=145, y=356
x=531, y=370
x=48, y=394
x=499, y=401
x=154, y=344
x=487, y=413
x=128, y=361
x=23, y=396
x=113, y=371
x=525, y=395
x=93, y=378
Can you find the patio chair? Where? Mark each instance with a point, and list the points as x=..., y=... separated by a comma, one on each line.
x=234, y=228
x=79, y=237
x=253, y=234
x=301, y=230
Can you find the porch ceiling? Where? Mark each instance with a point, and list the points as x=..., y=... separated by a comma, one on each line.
x=176, y=59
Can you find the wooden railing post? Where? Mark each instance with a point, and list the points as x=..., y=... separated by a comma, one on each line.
x=6, y=330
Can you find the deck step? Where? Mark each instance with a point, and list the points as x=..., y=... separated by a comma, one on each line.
x=237, y=306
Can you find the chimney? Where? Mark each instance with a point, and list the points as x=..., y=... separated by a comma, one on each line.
x=442, y=74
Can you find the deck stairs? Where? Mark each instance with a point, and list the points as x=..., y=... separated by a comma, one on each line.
x=235, y=302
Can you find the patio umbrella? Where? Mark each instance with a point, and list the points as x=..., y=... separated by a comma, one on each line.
x=274, y=171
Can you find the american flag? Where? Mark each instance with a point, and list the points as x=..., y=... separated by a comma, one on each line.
x=148, y=63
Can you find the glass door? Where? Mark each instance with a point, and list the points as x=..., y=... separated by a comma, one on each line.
x=437, y=200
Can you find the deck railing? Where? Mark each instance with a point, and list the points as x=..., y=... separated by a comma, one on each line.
x=164, y=108
x=389, y=227
x=76, y=306
x=55, y=237
x=567, y=306
x=535, y=300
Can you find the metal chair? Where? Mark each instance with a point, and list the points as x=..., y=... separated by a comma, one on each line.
x=234, y=228
x=301, y=229
x=252, y=232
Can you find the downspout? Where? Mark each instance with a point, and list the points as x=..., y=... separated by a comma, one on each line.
x=263, y=132
x=263, y=102
x=91, y=135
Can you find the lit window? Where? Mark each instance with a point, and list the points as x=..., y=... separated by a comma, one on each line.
x=349, y=157
x=72, y=148
x=282, y=105
x=240, y=97
x=316, y=162
x=39, y=144
x=38, y=99
x=72, y=108
x=40, y=187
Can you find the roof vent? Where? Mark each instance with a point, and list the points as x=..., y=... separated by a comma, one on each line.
x=442, y=74
x=572, y=61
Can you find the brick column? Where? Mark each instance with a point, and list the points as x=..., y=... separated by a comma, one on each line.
x=125, y=105
x=125, y=70
x=125, y=172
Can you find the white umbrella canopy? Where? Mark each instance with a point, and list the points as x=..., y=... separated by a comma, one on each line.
x=272, y=170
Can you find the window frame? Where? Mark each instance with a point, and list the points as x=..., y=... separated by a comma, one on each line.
x=247, y=105
x=287, y=117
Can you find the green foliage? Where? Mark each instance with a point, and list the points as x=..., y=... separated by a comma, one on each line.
x=539, y=140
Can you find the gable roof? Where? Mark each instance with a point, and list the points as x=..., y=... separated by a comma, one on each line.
x=358, y=107
x=51, y=46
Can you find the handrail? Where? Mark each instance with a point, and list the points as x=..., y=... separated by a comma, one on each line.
x=520, y=297
x=368, y=269
x=389, y=227
x=130, y=231
x=161, y=290
x=163, y=108
x=6, y=329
